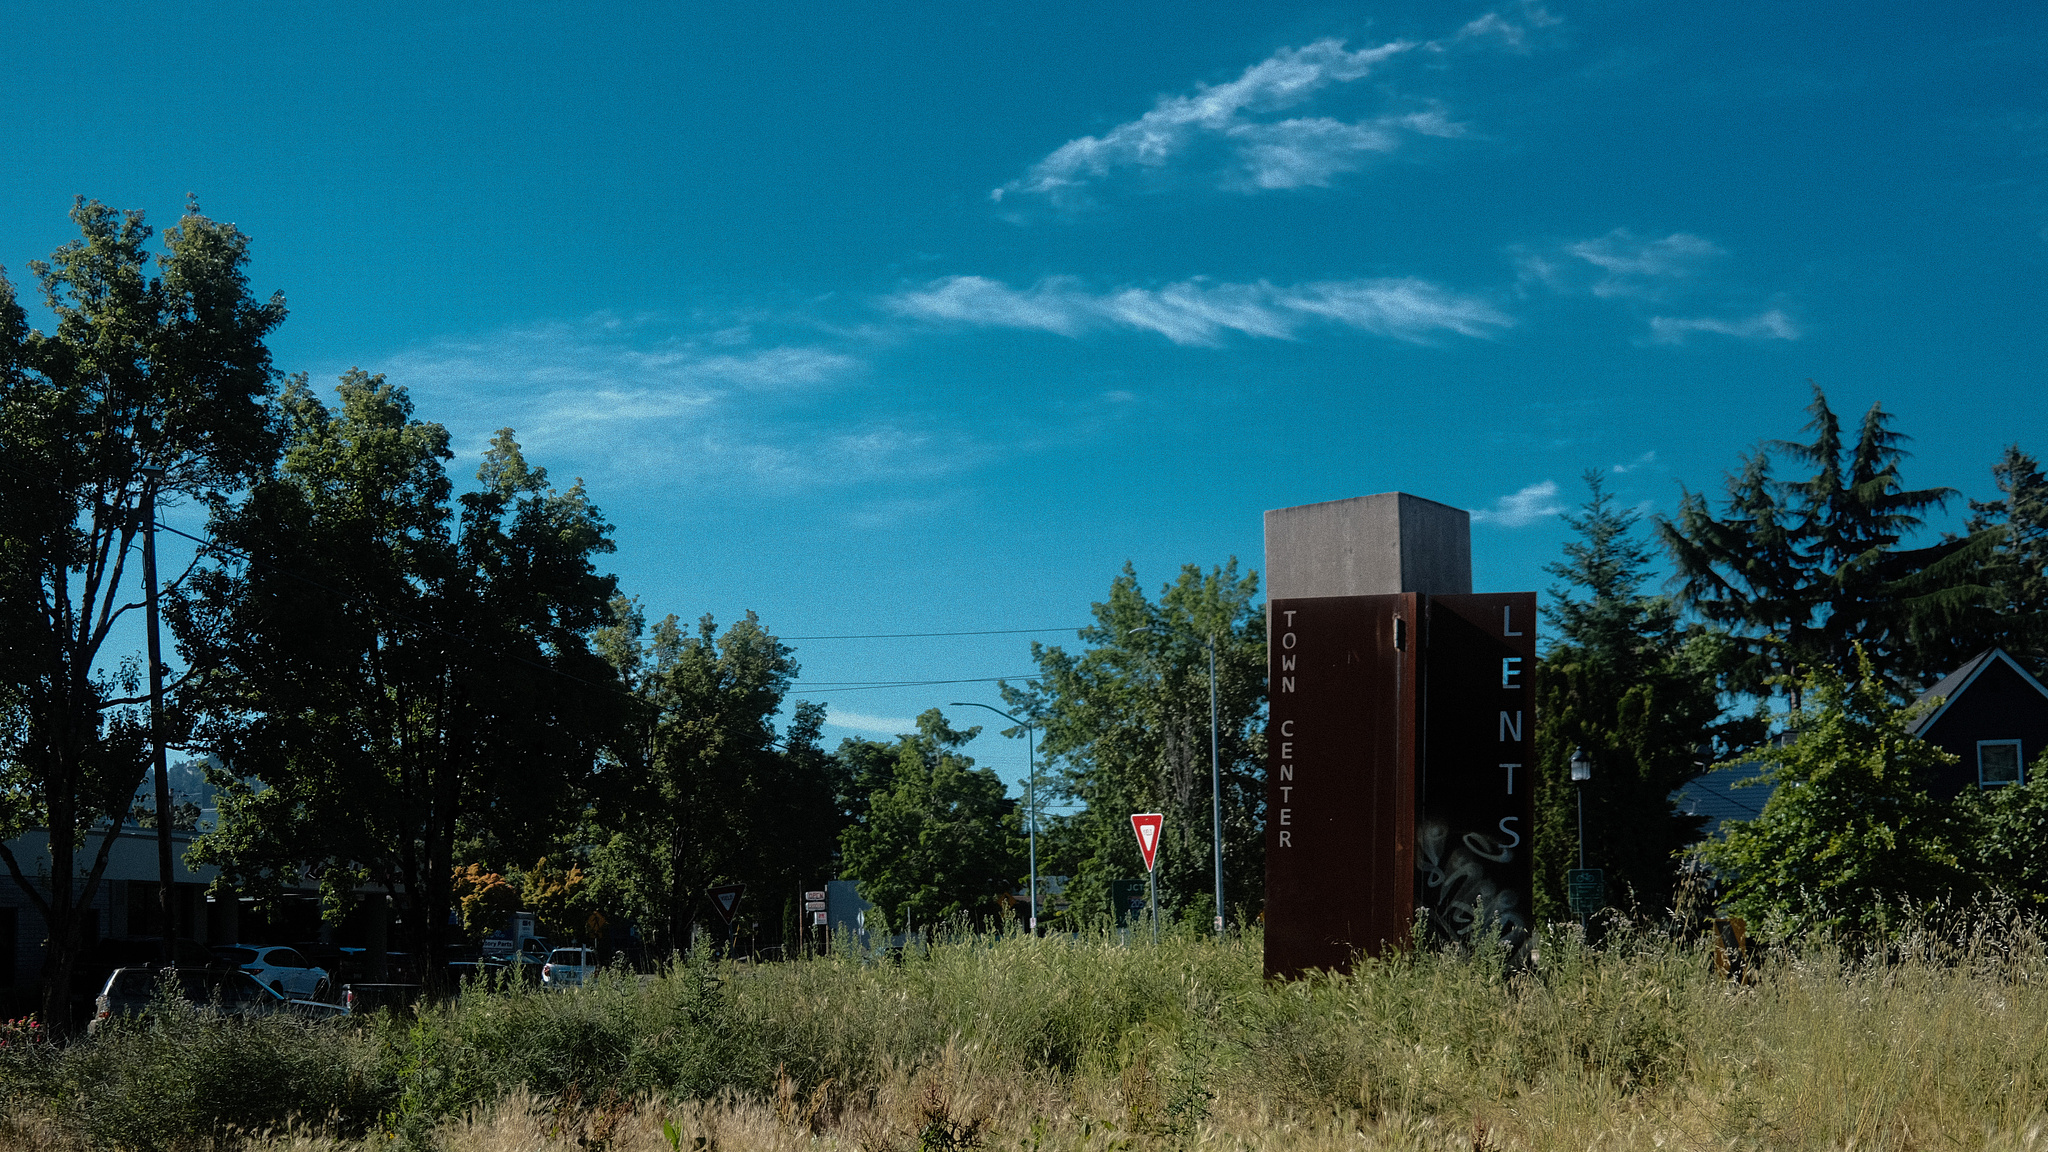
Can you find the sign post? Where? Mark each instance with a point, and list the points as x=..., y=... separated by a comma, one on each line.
x=814, y=909
x=1146, y=825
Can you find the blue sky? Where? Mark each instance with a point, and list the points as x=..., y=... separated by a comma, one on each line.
x=923, y=319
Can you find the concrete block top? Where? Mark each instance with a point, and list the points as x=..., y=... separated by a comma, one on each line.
x=1368, y=546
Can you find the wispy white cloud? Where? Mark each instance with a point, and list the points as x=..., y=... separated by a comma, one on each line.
x=1527, y=506
x=1771, y=325
x=865, y=722
x=609, y=397
x=1269, y=154
x=1509, y=31
x=1621, y=264
x=1201, y=312
x=1638, y=274
x=1266, y=152
x=1643, y=461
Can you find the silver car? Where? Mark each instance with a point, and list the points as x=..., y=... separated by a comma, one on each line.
x=280, y=966
x=130, y=991
x=569, y=968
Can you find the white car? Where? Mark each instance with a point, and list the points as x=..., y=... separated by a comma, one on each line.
x=281, y=967
x=569, y=968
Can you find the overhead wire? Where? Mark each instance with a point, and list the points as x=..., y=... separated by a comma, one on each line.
x=797, y=688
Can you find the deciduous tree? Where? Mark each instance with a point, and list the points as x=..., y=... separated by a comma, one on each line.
x=697, y=788
x=1849, y=830
x=397, y=671
x=144, y=371
x=934, y=837
x=1126, y=726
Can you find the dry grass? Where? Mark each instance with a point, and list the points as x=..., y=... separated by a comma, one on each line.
x=1039, y=1044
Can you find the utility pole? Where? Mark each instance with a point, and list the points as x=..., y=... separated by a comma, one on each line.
x=151, y=477
x=1215, y=789
x=1030, y=798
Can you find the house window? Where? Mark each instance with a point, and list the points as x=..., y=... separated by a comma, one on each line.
x=1998, y=762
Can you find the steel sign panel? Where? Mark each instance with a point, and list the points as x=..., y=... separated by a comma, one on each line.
x=817, y=895
x=1341, y=751
x=1477, y=778
x=1146, y=825
x=726, y=900
x=1586, y=889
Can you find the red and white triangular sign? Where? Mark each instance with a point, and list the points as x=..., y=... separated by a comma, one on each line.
x=1146, y=825
x=726, y=899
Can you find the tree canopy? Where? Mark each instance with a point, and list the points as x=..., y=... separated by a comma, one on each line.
x=1126, y=726
x=1849, y=830
x=1638, y=692
x=697, y=789
x=396, y=671
x=163, y=372
x=1803, y=571
x=933, y=837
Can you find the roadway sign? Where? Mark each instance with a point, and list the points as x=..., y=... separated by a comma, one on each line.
x=817, y=919
x=814, y=895
x=814, y=905
x=726, y=899
x=1587, y=890
x=1146, y=825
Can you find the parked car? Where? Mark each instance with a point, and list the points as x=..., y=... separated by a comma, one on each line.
x=569, y=968
x=131, y=990
x=282, y=967
x=89, y=972
x=358, y=999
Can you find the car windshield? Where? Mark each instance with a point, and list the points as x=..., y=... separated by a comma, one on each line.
x=236, y=955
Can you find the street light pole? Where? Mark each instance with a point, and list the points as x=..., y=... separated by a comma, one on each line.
x=1030, y=799
x=1582, y=771
x=1215, y=789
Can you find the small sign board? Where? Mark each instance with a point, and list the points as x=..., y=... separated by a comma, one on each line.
x=814, y=905
x=1127, y=901
x=815, y=894
x=726, y=899
x=1586, y=888
x=1146, y=825
x=817, y=919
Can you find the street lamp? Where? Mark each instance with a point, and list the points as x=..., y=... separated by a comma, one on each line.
x=1582, y=771
x=1215, y=778
x=1030, y=798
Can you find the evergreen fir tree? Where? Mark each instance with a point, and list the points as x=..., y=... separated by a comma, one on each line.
x=1801, y=572
x=1636, y=691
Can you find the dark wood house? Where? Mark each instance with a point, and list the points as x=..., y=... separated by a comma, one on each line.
x=1993, y=715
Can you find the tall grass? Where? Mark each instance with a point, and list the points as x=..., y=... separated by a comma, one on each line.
x=1939, y=1039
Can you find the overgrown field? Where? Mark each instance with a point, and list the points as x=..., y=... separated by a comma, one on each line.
x=1012, y=1043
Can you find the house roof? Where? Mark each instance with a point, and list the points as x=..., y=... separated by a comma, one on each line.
x=1953, y=685
x=1717, y=797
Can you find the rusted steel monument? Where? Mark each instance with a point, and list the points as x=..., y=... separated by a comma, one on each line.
x=1400, y=762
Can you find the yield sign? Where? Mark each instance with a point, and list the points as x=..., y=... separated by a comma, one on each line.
x=1146, y=825
x=726, y=898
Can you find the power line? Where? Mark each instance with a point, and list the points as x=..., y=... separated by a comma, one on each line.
x=916, y=635
x=829, y=686
x=800, y=690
